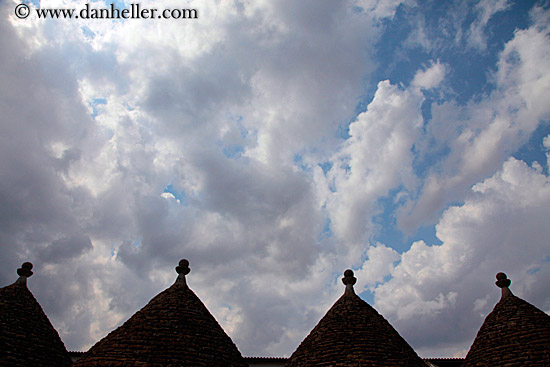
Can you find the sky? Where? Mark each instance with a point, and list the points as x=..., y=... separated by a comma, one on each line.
x=275, y=144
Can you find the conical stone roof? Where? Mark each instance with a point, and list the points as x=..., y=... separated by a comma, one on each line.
x=354, y=334
x=515, y=333
x=173, y=329
x=27, y=337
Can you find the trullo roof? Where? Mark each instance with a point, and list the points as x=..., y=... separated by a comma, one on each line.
x=515, y=333
x=354, y=334
x=173, y=329
x=27, y=337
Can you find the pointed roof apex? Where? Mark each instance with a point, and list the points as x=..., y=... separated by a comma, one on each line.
x=503, y=282
x=349, y=280
x=182, y=269
x=24, y=272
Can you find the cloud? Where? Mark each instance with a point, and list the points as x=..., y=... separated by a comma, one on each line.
x=429, y=78
x=546, y=144
x=483, y=134
x=377, y=267
x=105, y=115
x=462, y=26
x=381, y=9
x=374, y=159
x=475, y=36
x=436, y=289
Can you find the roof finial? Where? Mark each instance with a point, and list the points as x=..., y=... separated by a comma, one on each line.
x=503, y=282
x=24, y=272
x=182, y=269
x=349, y=280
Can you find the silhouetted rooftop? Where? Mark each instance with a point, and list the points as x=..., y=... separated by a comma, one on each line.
x=352, y=333
x=27, y=337
x=515, y=333
x=173, y=329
